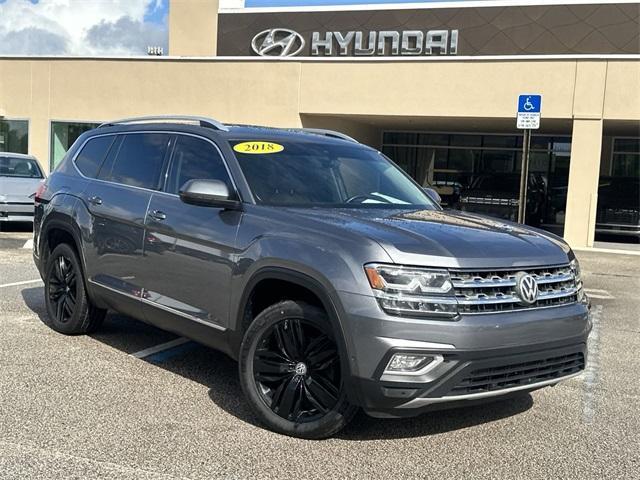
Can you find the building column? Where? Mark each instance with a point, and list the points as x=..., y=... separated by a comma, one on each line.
x=193, y=28
x=584, y=173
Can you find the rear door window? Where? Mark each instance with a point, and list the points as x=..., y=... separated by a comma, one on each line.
x=139, y=160
x=92, y=155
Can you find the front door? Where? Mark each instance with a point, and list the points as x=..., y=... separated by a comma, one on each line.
x=189, y=250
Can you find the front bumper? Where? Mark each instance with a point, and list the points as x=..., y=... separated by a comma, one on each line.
x=16, y=212
x=483, y=356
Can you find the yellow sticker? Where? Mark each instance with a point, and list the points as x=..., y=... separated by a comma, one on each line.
x=258, y=148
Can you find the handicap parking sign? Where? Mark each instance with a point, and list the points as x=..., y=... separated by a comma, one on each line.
x=529, y=111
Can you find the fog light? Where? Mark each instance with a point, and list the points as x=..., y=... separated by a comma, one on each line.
x=405, y=362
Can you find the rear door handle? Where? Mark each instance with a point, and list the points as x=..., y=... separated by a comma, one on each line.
x=95, y=200
x=158, y=215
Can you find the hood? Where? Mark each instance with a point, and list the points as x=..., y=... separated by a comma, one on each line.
x=449, y=239
x=18, y=189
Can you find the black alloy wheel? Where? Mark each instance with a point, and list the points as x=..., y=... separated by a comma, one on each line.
x=290, y=371
x=69, y=309
x=296, y=370
x=63, y=289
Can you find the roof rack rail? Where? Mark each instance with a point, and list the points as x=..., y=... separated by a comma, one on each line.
x=202, y=121
x=328, y=133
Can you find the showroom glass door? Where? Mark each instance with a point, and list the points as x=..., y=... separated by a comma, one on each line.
x=481, y=173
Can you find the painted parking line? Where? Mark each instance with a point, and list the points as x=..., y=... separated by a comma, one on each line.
x=148, y=352
x=28, y=244
x=599, y=294
x=172, y=352
x=24, y=282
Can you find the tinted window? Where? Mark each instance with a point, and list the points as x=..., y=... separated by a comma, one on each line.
x=92, y=155
x=194, y=158
x=19, y=167
x=329, y=174
x=139, y=160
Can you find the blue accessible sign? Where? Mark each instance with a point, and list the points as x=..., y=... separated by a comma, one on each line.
x=529, y=111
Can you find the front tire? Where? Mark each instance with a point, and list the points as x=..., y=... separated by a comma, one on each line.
x=290, y=372
x=69, y=309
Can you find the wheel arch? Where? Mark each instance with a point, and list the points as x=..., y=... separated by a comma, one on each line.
x=299, y=280
x=56, y=229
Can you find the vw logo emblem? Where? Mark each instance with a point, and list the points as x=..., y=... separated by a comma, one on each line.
x=301, y=369
x=277, y=42
x=526, y=288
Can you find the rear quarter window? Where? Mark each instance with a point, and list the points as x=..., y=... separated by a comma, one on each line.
x=93, y=154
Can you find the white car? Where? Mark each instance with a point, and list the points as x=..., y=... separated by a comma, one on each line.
x=20, y=176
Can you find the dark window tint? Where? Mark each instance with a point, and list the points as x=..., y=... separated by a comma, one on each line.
x=195, y=158
x=92, y=155
x=139, y=160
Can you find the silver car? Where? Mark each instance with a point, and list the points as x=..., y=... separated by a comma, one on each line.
x=20, y=176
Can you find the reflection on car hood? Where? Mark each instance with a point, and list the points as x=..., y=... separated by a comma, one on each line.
x=18, y=189
x=448, y=238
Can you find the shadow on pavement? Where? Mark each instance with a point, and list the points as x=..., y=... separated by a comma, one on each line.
x=219, y=374
x=18, y=227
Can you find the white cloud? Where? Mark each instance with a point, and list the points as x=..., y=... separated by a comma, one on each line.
x=78, y=27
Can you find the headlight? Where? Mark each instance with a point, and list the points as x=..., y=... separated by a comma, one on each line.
x=575, y=268
x=412, y=291
x=577, y=275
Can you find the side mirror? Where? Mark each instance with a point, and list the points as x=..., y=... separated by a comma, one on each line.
x=208, y=193
x=433, y=195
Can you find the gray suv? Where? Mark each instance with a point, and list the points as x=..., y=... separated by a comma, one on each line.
x=328, y=273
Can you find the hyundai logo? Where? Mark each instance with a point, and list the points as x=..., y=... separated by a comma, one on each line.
x=277, y=42
x=526, y=288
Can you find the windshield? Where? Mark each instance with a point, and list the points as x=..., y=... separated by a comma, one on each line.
x=320, y=174
x=19, y=167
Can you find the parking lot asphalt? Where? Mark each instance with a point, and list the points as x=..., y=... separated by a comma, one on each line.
x=88, y=407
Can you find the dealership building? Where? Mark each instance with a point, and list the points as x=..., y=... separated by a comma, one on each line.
x=434, y=85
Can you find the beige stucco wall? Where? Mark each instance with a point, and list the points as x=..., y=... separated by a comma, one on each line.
x=290, y=93
x=193, y=28
x=584, y=172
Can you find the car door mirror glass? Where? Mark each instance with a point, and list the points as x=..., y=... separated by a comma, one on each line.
x=209, y=193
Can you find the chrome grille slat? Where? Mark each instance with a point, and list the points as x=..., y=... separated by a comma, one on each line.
x=493, y=291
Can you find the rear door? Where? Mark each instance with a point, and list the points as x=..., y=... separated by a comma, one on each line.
x=117, y=201
x=189, y=249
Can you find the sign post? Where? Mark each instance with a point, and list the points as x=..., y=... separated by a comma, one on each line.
x=529, y=107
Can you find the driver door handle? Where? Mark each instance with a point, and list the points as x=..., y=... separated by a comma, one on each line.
x=95, y=200
x=158, y=215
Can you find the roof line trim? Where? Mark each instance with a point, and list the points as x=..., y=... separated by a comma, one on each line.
x=416, y=6
x=408, y=59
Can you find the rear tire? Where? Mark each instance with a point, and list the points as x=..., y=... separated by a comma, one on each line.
x=69, y=309
x=290, y=372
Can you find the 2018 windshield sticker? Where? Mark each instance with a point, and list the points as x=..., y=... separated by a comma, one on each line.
x=258, y=148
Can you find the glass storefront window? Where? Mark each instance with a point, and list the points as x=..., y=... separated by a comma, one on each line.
x=618, y=212
x=14, y=136
x=485, y=169
x=63, y=134
x=626, y=157
x=500, y=141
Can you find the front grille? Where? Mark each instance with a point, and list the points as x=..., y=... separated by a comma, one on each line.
x=495, y=291
x=520, y=374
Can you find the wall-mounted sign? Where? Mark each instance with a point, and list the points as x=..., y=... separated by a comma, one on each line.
x=427, y=32
x=283, y=42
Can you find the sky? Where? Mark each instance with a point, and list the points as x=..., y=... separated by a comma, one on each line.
x=82, y=27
